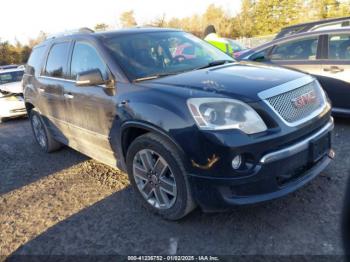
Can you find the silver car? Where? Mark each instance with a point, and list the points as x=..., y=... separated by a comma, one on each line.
x=11, y=94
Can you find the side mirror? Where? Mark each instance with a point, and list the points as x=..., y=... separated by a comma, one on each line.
x=90, y=78
x=259, y=58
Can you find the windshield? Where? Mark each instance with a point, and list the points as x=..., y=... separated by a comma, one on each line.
x=161, y=53
x=9, y=77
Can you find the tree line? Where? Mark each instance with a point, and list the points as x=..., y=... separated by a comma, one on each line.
x=256, y=18
x=18, y=53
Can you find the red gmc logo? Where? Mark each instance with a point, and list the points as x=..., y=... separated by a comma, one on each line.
x=304, y=100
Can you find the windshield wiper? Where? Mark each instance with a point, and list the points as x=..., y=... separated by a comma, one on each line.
x=215, y=63
x=154, y=76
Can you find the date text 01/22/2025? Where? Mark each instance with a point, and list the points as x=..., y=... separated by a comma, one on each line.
x=173, y=258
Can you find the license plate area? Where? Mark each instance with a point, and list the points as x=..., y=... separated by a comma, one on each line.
x=319, y=147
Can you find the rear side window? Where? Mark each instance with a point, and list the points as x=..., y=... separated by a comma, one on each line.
x=302, y=49
x=85, y=58
x=56, y=65
x=339, y=47
x=35, y=61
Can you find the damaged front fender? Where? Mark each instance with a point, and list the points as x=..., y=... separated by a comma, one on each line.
x=211, y=162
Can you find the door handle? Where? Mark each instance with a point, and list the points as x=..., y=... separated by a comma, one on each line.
x=333, y=69
x=68, y=96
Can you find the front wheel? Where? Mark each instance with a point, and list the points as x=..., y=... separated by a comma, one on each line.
x=157, y=174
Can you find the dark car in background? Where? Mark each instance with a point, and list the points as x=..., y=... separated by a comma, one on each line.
x=200, y=130
x=323, y=54
x=321, y=25
x=6, y=67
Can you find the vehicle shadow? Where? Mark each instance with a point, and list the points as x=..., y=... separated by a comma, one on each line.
x=22, y=161
x=119, y=225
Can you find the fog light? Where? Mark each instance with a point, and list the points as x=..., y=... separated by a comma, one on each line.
x=236, y=162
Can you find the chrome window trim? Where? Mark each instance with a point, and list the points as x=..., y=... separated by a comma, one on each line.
x=298, y=147
x=289, y=86
x=57, y=78
x=63, y=79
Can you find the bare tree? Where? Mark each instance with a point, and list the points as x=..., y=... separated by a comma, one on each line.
x=127, y=19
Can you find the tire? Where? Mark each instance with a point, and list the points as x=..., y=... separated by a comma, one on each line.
x=167, y=161
x=42, y=134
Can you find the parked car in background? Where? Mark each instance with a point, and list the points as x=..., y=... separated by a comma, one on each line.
x=11, y=94
x=237, y=47
x=325, y=24
x=323, y=54
x=5, y=67
x=204, y=131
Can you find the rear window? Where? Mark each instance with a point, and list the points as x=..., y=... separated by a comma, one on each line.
x=35, y=61
x=10, y=77
x=56, y=65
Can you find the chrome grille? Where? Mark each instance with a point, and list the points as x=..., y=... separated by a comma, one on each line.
x=285, y=107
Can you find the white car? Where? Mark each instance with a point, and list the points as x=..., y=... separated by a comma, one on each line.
x=11, y=94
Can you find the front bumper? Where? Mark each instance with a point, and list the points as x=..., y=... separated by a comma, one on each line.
x=11, y=106
x=277, y=174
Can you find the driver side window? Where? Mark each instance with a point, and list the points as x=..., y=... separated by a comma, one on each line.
x=85, y=58
x=302, y=49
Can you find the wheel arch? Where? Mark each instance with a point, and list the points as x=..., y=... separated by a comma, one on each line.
x=133, y=129
x=29, y=107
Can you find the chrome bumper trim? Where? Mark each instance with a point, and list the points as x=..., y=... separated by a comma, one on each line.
x=338, y=110
x=298, y=147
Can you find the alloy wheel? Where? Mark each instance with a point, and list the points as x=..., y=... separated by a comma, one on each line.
x=39, y=131
x=154, y=179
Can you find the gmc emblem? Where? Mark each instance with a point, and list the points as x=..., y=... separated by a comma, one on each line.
x=304, y=100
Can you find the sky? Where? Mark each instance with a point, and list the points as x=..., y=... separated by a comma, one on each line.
x=25, y=19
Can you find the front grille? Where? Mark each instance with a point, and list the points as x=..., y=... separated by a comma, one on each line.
x=286, y=108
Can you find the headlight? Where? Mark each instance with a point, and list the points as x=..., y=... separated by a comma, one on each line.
x=222, y=113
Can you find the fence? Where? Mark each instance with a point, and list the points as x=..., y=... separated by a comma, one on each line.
x=255, y=41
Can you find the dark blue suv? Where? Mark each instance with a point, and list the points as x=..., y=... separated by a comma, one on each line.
x=189, y=130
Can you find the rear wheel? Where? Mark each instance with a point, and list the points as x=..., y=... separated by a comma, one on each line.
x=157, y=174
x=42, y=134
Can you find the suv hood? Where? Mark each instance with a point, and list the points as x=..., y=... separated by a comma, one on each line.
x=242, y=80
x=14, y=87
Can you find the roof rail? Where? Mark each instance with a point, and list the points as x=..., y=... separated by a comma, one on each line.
x=83, y=30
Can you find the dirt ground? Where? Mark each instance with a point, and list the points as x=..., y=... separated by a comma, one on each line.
x=67, y=204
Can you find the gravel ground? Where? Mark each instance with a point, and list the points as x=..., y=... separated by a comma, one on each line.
x=65, y=203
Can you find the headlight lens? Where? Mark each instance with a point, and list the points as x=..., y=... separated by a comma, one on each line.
x=222, y=113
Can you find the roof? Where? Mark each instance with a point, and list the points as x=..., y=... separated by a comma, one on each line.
x=310, y=33
x=107, y=34
x=136, y=30
x=324, y=21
